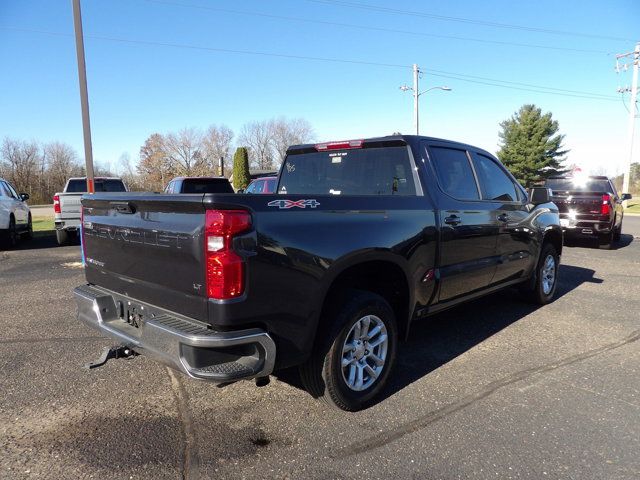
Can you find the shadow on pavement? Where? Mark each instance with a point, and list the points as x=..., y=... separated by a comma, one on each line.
x=625, y=241
x=42, y=239
x=439, y=339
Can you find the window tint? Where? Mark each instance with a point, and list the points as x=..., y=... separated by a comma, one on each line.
x=79, y=185
x=269, y=186
x=12, y=191
x=578, y=185
x=366, y=171
x=206, y=185
x=454, y=173
x=494, y=182
x=251, y=188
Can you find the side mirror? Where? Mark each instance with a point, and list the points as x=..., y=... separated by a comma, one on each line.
x=25, y=196
x=539, y=195
x=626, y=196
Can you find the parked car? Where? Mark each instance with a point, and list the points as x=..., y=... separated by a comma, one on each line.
x=15, y=216
x=66, y=204
x=364, y=238
x=262, y=185
x=199, y=185
x=589, y=206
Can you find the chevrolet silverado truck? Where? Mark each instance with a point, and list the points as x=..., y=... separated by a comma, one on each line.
x=66, y=204
x=589, y=207
x=362, y=239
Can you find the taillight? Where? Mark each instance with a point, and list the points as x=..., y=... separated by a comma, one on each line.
x=56, y=204
x=225, y=269
x=345, y=144
x=605, y=208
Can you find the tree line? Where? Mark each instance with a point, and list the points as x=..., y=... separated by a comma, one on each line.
x=42, y=169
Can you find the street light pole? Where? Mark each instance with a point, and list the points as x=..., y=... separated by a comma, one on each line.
x=632, y=120
x=84, y=97
x=416, y=95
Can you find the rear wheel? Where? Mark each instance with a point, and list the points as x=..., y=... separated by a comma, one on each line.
x=11, y=235
x=354, y=353
x=62, y=236
x=607, y=240
x=543, y=287
x=617, y=233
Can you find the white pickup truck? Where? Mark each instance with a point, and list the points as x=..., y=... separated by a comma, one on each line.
x=66, y=204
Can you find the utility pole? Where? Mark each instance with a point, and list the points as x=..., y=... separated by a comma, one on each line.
x=416, y=95
x=84, y=97
x=632, y=120
x=416, y=116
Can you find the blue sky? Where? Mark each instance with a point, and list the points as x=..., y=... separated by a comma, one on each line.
x=136, y=89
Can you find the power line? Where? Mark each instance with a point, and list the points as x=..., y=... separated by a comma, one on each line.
x=378, y=29
x=438, y=73
x=365, y=6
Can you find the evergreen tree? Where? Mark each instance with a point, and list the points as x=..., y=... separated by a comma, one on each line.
x=241, y=177
x=530, y=146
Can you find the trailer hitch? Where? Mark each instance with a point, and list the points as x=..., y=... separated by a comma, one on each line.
x=119, y=351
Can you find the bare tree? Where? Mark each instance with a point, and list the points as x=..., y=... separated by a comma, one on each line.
x=20, y=163
x=62, y=161
x=285, y=132
x=154, y=166
x=216, y=144
x=258, y=137
x=185, y=152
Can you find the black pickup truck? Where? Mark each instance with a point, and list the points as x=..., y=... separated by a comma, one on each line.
x=361, y=239
x=589, y=206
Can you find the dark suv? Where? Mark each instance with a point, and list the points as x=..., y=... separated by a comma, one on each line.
x=589, y=207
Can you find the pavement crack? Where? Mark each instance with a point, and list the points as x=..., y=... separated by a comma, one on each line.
x=423, y=421
x=191, y=461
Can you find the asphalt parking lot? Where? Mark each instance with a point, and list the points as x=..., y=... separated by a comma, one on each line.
x=494, y=389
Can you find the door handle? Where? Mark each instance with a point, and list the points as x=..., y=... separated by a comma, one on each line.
x=452, y=220
x=503, y=217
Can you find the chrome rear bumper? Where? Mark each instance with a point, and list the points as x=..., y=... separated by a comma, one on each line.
x=184, y=345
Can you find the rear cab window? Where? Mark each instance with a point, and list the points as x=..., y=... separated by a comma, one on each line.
x=79, y=185
x=384, y=170
x=206, y=185
x=578, y=185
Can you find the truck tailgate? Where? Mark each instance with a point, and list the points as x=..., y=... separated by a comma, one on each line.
x=580, y=203
x=148, y=247
x=69, y=205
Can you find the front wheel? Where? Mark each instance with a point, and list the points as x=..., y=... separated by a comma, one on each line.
x=354, y=353
x=543, y=287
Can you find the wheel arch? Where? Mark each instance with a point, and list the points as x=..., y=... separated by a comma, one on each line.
x=382, y=273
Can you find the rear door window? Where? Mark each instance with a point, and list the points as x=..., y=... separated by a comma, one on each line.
x=363, y=171
x=494, y=182
x=454, y=173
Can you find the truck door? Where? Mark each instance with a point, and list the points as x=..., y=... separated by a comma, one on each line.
x=468, y=225
x=515, y=246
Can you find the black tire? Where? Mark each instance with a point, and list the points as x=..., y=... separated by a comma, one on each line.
x=322, y=375
x=617, y=233
x=607, y=240
x=62, y=236
x=12, y=233
x=29, y=233
x=536, y=291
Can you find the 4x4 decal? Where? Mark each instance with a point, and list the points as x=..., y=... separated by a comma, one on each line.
x=286, y=204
